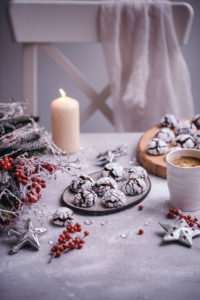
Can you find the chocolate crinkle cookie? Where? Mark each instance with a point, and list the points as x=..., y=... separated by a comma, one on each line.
x=185, y=128
x=83, y=182
x=133, y=186
x=168, y=120
x=165, y=134
x=138, y=172
x=85, y=198
x=197, y=138
x=113, y=170
x=156, y=147
x=113, y=198
x=196, y=121
x=185, y=141
x=63, y=216
x=104, y=184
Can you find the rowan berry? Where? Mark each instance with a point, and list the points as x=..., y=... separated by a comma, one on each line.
x=140, y=207
x=72, y=245
x=86, y=233
x=141, y=231
x=58, y=253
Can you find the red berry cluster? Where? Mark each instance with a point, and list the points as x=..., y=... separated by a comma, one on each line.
x=49, y=168
x=23, y=175
x=66, y=242
x=6, y=163
x=188, y=218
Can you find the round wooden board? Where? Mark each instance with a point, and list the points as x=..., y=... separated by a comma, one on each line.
x=153, y=164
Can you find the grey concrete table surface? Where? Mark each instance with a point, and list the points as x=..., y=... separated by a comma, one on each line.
x=116, y=262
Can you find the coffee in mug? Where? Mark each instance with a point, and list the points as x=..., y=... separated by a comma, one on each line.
x=183, y=173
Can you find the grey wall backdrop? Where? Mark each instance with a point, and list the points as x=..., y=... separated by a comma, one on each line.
x=89, y=59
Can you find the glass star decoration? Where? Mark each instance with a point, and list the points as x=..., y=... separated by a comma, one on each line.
x=26, y=236
x=180, y=232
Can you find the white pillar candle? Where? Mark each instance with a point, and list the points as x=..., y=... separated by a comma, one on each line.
x=65, y=123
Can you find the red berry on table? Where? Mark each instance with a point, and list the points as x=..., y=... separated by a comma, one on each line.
x=72, y=245
x=80, y=246
x=195, y=219
x=182, y=216
x=140, y=207
x=170, y=214
x=65, y=245
x=191, y=224
x=38, y=188
x=141, y=231
x=198, y=225
x=86, y=233
x=57, y=253
x=79, y=228
x=189, y=217
x=68, y=236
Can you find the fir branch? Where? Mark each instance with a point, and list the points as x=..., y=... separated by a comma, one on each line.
x=37, y=147
x=10, y=124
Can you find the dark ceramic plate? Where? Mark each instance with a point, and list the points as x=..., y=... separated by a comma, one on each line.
x=98, y=208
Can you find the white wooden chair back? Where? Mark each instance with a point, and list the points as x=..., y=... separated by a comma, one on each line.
x=43, y=23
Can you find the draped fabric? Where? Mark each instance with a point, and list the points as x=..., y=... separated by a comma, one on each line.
x=147, y=72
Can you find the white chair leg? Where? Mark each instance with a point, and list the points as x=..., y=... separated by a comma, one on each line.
x=29, y=76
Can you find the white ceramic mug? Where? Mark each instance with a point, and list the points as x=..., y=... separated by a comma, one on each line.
x=184, y=182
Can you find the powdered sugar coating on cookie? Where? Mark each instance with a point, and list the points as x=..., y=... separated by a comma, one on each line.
x=85, y=198
x=104, y=184
x=113, y=170
x=63, y=216
x=133, y=186
x=156, y=147
x=138, y=172
x=113, y=198
x=196, y=121
x=168, y=120
x=165, y=134
x=197, y=138
x=185, y=141
x=185, y=128
x=83, y=182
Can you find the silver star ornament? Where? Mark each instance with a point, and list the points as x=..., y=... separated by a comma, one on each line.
x=180, y=232
x=26, y=236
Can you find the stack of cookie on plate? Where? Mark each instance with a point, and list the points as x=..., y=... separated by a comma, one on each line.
x=174, y=134
x=111, y=188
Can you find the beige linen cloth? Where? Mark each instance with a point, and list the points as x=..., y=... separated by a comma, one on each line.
x=146, y=69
